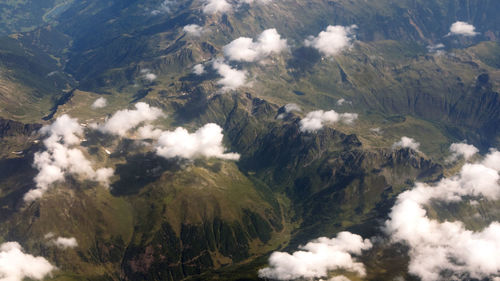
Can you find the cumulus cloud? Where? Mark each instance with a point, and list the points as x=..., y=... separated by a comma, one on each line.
x=317, y=257
x=462, y=150
x=61, y=242
x=333, y=40
x=216, y=6
x=62, y=157
x=15, y=265
x=205, y=142
x=407, y=142
x=245, y=49
x=315, y=120
x=439, y=247
x=199, y=69
x=99, y=103
x=231, y=78
x=124, y=120
x=193, y=30
x=462, y=28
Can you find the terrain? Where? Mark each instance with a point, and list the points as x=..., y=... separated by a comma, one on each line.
x=216, y=218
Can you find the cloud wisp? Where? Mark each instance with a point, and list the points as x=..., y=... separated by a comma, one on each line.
x=438, y=248
x=333, y=40
x=315, y=120
x=318, y=257
x=63, y=157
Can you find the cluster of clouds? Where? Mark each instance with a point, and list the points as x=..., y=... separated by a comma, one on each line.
x=333, y=40
x=407, y=142
x=16, y=265
x=315, y=120
x=204, y=142
x=458, y=28
x=439, y=247
x=318, y=257
x=244, y=49
x=63, y=157
x=223, y=6
x=61, y=242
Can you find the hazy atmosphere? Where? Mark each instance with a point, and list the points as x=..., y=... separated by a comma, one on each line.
x=308, y=140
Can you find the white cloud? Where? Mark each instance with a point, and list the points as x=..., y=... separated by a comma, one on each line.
x=124, y=120
x=437, y=246
x=292, y=107
x=338, y=278
x=407, y=142
x=99, y=103
x=333, y=40
x=245, y=49
x=15, y=265
x=462, y=150
x=289, y=108
x=199, y=69
x=315, y=120
x=216, y=6
x=193, y=30
x=165, y=7
x=147, y=75
x=317, y=257
x=462, y=28
x=231, y=78
x=62, y=157
x=376, y=130
x=61, y=242
x=205, y=142
x=436, y=48
x=148, y=132
x=223, y=6
x=342, y=101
